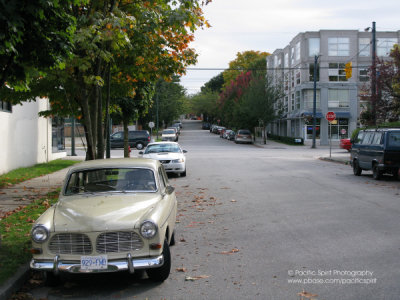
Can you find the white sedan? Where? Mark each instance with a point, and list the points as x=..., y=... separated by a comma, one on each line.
x=170, y=154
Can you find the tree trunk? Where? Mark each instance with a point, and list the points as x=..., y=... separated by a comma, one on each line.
x=126, y=137
x=100, y=136
x=90, y=154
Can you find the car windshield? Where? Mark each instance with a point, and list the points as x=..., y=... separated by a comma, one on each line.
x=111, y=180
x=244, y=132
x=168, y=131
x=394, y=139
x=159, y=148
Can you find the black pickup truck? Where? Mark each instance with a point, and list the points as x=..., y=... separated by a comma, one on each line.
x=377, y=150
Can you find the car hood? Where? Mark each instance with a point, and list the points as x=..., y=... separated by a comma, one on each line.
x=99, y=212
x=163, y=156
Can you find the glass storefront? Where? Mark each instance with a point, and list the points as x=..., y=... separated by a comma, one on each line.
x=339, y=129
x=58, y=138
x=309, y=128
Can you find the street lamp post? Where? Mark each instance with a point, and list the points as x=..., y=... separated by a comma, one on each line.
x=315, y=103
x=373, y=79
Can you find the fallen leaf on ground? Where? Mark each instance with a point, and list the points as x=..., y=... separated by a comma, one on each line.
x=233, y=200
x=181, y=269
x=234, y=250
x=307, y=295
x=189, y=278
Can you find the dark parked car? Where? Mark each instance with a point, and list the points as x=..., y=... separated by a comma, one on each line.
x=377, y=150
x=137, y=139
x=231, y=135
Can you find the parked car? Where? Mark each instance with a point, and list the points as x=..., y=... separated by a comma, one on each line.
x=178, y=128
x=112, y=215
x=169, y=135
x=345, y=144
x=219, y=129
x=222, y=132
x=205, y=126
x=231, y=135
x=170, y=154
x=243, y=136
x=136, y=138
x=226, y=133
x=377, y=150
x=178, y=122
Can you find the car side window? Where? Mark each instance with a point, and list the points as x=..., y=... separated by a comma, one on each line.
x=394, y=139
x=118, y=135
x=163, y=183
x=367, y=140
x=377, y=140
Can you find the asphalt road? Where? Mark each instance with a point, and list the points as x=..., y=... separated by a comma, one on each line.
x=268, y=223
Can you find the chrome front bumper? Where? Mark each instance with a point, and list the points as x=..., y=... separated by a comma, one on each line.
x=129, y=264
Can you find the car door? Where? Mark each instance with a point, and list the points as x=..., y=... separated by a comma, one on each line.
x=169, y=199
x=363, y=150
x=117, y=139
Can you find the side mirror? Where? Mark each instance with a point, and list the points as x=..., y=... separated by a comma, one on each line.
x=169, y=189
x=184, y=151
x=141, y=152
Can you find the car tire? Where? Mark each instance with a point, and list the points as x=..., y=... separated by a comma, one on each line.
x=356, y=168
x=376, y=173
x=139, y=146
x=161, y=273
x=172, y=241
x=396, y=173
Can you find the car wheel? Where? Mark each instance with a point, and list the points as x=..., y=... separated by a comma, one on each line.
x=356, y=168
x=376, y=174
x=162, y=273
x=172, y=242
x=139, y=146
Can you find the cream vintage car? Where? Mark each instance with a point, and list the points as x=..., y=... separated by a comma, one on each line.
x=112, y=215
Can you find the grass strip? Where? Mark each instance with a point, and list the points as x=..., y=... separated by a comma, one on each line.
x=22, y=174
x=15, y=234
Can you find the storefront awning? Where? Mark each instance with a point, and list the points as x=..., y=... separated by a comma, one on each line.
x=310, y=114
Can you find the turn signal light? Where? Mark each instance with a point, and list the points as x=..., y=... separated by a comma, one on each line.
x=36, y=251
x=155, y=246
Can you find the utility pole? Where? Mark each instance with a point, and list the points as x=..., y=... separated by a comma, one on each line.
x=314, y=132
x=373, y=79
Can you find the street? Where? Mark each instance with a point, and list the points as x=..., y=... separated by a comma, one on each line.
x=268, y=222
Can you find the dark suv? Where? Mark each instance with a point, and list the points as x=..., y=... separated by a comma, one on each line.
x=377, y=150
x=137, y=139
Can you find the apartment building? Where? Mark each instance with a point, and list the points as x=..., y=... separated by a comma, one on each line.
x=292, y=68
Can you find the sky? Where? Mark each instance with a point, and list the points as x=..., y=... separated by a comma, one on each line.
x=267, y=25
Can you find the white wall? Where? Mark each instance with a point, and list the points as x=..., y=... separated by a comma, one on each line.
x=25, y=138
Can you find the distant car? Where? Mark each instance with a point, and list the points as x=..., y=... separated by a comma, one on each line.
x=170, y=154
x=112, y=215
x=169, y=135
x=243, y=136
x=345, y=144
x=177, y=126
x=178, y=122
x=205, y=126
x=226, y=133
x=136, y=138
x=377, y=150
x=231, y=135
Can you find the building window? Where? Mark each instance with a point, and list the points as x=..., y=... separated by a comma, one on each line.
x=292, y=102
x=338, y=98
x=364, y=47
x=311, y=71
x=58, y=138
x=298, y=77
x=292, y=56
x=286, y=104
x=297, y=99
x=336, y=72
x=286, y=81
x=292, y=77
x=383, y=46
x=286, y=60
x=363, y=75
x=338, y=46
x=313, y=47
x=5, y=106
x=308, y=99
x=339, y=130
x=298, y=51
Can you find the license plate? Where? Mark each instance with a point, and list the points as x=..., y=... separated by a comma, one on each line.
x=94, y=262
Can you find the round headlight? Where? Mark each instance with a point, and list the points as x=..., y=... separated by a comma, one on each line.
x=39, y=234
x=148, y=229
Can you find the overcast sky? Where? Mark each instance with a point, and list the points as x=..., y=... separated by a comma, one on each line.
x=266, y=25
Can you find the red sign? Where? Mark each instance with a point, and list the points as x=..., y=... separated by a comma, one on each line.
x=330, y=116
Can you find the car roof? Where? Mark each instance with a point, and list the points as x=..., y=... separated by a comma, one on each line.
x=116, y=163
x=381, y=129
x=161, y=143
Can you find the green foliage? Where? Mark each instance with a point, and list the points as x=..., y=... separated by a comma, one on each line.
x=287, y=140
x=22, y=174
x=15, y=235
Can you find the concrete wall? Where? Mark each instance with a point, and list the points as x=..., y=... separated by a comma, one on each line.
x=25, y=137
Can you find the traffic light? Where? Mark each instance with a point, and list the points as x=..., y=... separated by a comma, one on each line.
x=348, y=69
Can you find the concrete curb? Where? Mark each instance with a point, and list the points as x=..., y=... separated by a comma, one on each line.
x=14, y=283
x=334, y=160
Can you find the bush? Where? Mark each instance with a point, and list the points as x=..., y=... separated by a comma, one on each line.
x=286, y=139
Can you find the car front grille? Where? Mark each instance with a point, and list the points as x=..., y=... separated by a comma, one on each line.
x=165, y=161
x=70, y=243
x=110, y=242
